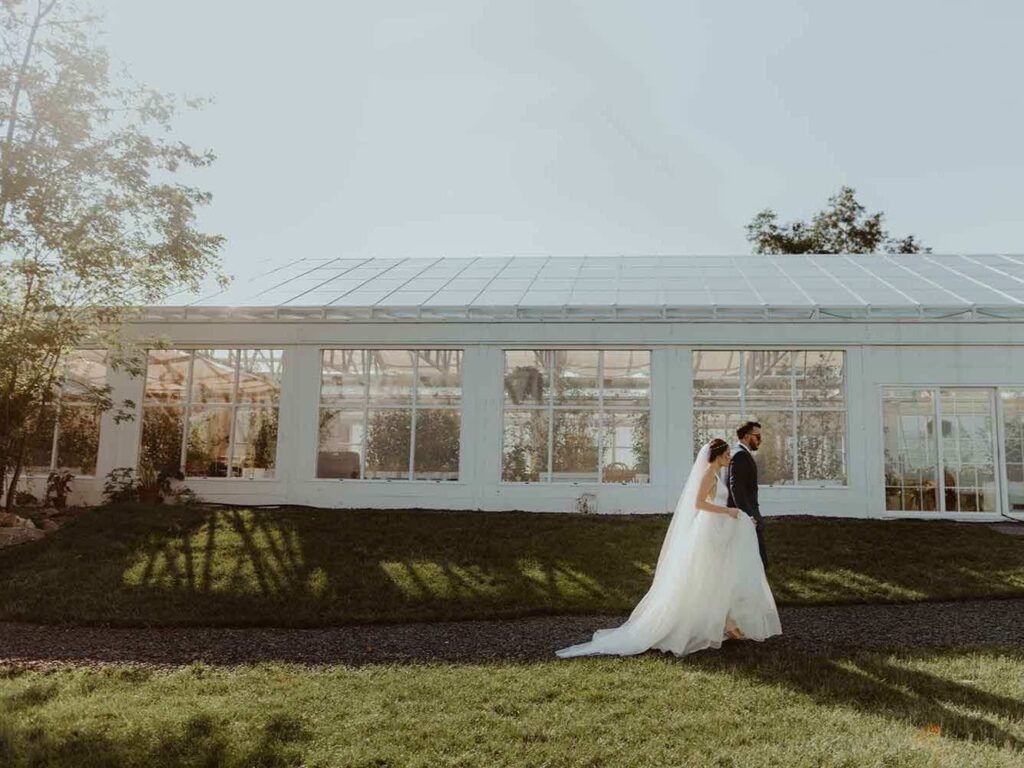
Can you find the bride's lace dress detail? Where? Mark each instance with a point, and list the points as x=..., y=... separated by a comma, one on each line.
x=709, y=571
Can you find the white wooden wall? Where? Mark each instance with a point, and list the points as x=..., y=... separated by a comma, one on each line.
x=990, y=354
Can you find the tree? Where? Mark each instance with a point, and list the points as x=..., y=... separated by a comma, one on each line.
x=842, y=227
x=93, y=218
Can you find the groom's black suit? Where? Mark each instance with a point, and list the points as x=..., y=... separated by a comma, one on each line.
x=741, y=480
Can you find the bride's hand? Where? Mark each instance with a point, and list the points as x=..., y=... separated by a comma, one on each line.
x=733, y=512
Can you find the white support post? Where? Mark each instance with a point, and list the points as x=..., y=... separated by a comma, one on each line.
x=865, y=459
x=299, y=418
x=119, y=442
x=480, y=456
x=671, y=420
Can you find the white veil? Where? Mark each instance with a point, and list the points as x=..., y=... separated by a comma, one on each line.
x=656, y=613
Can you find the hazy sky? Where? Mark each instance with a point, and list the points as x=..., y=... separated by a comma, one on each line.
x=561, y=127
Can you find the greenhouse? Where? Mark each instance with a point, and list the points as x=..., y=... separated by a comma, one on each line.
x=885, y=385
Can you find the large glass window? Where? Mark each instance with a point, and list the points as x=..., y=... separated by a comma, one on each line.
x=66, y=434
x=940, y=450
x=798, y=396
x=390, y=414
x=212, y=412
x=577, y=416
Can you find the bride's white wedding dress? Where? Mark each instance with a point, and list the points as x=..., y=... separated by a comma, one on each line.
x=709, y=571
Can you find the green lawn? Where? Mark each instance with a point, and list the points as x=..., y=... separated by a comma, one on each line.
x=744, y=706
x=306, y=567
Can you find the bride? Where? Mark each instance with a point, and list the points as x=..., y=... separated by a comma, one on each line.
x=709, y=583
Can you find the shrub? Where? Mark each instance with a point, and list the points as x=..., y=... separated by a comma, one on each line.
x=122, y=487
x=25, y=499
x=58, y=484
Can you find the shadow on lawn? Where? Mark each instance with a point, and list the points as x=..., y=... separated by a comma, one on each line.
x=314, y=567
x=878, y=685
x=329, y=568
x=200, y=740
x=309, y=567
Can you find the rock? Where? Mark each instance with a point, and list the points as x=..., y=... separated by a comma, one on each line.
x=50, y=525
x=10, y=520
x=11, y=536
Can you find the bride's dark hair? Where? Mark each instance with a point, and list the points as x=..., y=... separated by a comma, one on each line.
x=716, y=448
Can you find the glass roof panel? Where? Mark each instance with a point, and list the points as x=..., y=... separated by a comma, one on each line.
x=511, y=284
x=468, y=283
x=553, y=284
x=640, y=298
x=884, y=281
x=446, y=298
x=585, y=298
x=359, y=299
x=409, y=298
x=739, y=298
x=545, y=298
x=498, y=298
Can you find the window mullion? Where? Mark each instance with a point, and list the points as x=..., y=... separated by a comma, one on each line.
x=1001, y=467
x=955, y=424
x=600, y=417
x=794, y=451
x=56, y=434
x=901, y=452
x=319, y=412
x=743, y=386
x=550, y=363
x=58, y=412
x=188, y=409
x=412, y=418
x=940, y=458
x=232, y=416
x=365, y=363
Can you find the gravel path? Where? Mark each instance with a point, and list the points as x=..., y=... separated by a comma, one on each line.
x=958, y=624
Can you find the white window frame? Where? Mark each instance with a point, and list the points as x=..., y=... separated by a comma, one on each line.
x=794, y=410
x=58, y=406
x=1002, y=487
x=600, y=409
x=186, y=405
x=411, y=406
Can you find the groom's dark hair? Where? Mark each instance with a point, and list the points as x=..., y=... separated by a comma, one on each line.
x=745, y=427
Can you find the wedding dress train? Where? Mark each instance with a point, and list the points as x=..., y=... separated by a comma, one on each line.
x=709, y=571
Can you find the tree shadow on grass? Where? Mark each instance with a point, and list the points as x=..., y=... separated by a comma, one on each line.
x=200, y=740
x=308, y=567
x=880, y=685
x=313, y=567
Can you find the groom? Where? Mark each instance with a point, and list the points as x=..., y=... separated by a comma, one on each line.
x=741, y=479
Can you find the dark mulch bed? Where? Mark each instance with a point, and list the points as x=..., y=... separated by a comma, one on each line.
x=811, y=629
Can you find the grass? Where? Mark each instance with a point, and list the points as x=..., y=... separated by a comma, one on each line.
x=308, y=567
x=744, y=706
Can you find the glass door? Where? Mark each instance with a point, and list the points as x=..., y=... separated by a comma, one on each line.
x=911, y=452
x=1012, y=402
x=941, y=452
x=968, y=448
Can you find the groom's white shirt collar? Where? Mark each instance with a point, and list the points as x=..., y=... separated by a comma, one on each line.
x=742, y=446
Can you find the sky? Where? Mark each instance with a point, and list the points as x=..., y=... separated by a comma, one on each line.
x=585, y=127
